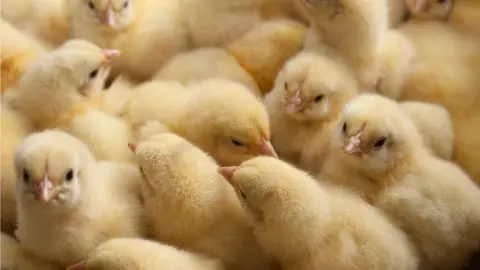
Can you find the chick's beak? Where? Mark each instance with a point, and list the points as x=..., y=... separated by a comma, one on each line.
x=133, y=147
x=108, y=16
x=293, y=105
x=45, y=189
x=266, y=148
x=78, y=266
x=108, y=56
x=353, y=145
x=227, y=172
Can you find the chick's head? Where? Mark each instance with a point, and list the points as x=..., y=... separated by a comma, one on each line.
x=430, y=9
x=112, y=14
x=227, y=121
x=314, y=90
x=375, y=135
x=52, y=168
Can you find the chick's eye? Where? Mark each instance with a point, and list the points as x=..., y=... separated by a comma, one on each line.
x=69, y=175
x=237, y=143
x=142, y=172
x=318, y=98
x=344, y=127
x=380, y=142
x=93, y=74
x=244, y=197
x=25, y=177
x=126, y=4
x=91, y=5
x=441, y=1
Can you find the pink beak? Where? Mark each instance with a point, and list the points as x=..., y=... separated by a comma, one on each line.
x=78, y=266
x=109, y=55
x=420, y=5
x=108, y=16
x=45, y=189
x=294, y=103
x=227, y=172
x=133, y=147
x=267, y=149
x=353, y=145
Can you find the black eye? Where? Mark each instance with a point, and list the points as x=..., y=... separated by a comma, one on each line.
x=285, y=86
x=442, y=1
x=126, y=4
x=344, y=127
x=93, y=74
x=244, y=197
x=91, y=5
x=69, y=175
x=380, y=142
x=25, y=177
x=142, y=172
x=318, y=98
x=237, y=143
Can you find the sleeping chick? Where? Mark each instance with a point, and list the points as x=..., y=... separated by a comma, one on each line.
x=303, y=107
x=430, y=9
x=148, y=32
x=139, y=254
x=18, y=52
x=221, y=117
x=14, y=257
x=191, y=206
x=68, y=203
x=61, y=90
x=14, y=128
x=378, y=152
x=189, y=67
x=435, y=126
x=307, y=226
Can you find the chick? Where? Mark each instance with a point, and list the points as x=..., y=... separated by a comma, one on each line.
x=430, y=9
x=378, y=152
x=14, y=257
x=307, y=226
x=68, y=203
x=139, y=254
x=191, y=206
x=18, y=52
x=397, y=12
x=14, y=128
x=221, y=117
x=189, y=67
x=303, y=107
x=69, y=80
x=435, y=126
x=148, y=32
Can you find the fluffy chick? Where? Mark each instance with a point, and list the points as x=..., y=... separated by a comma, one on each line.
x=430, y=9
x=139, y=254
x=14, y=257
x=303, y=107
x=189, y=67
x=18, y=52
x=68, y=203
x=14, y=128
x=307, y=226
x=191, y=206
x=61, y=90
x=378, y=152
x=435, y=126
x=134, y=27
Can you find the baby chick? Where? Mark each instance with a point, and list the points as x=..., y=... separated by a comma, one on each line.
x=18, y=51
x=435, y=126
x=191, y=206
x=303, y=107
x=68, y=203
x=69, y=80
x=189, y=67
x=430, y=9
x=307, y=226
x=139, y=254
x=378, y=152
x=148, y=32
x=14, y=257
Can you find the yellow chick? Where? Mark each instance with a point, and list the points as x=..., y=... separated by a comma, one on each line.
x=435, y=126
x=430, y=9
x=378, y=152
x=14, y=128
x=357, y=30
x=189, y=67
x=18, y=52
x=61, y=90
x=307, y=226
x=139, y=254
x=134, y=27
x=68, y=203
x=191, y=206
x=221, y=117
x=14, y=257
x=303, y=107
x=445, y=72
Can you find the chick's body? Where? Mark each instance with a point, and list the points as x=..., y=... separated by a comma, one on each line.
x=139, y=254
x=307, y=226
x=68, y=203
x=190, y=206
x=378, y=153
